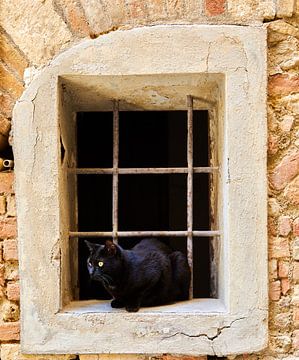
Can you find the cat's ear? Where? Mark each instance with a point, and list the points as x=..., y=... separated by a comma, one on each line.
x=92, y=246
x=111, y=247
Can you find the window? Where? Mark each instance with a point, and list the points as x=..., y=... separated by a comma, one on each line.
x=216, y=74
x=158, y=202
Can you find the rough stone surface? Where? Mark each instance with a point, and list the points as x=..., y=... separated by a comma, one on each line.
x=49, y=34
x=285, y=171
x=9, y=331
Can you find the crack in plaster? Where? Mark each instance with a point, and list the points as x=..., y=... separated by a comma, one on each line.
x=210, y=338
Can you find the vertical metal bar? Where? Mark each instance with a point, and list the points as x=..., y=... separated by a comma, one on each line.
x=190, y=189
x=115, y=169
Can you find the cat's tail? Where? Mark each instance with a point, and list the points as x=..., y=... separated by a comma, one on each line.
x=180, y=275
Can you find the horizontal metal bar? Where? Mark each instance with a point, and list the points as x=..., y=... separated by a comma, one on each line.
x=136, y=171
x=195, y=233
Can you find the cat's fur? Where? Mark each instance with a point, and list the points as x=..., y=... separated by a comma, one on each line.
x=150, y=274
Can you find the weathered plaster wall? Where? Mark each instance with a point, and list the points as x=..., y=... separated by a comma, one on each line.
x=33, y=32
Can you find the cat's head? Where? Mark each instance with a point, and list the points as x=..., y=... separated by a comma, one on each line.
x=104, y=263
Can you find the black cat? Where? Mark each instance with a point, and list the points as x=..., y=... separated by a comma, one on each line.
x=150, y=274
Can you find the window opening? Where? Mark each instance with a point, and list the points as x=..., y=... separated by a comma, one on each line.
x=134, y=180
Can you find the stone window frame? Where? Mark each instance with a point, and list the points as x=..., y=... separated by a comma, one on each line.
x=223, y=66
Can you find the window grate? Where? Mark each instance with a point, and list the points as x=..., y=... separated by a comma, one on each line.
x=115, y=171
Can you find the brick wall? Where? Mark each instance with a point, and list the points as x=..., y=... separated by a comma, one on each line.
x=52, y=26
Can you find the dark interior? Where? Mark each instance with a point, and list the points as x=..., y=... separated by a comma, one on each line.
x=146, y=202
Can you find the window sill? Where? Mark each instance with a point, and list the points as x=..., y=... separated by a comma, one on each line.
x=206, y=306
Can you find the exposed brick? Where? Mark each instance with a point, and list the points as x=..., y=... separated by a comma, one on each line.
x=296, y=227
x=291, y=192
x=296, y=249
x=273, y=269
x=74, y=16
x=2, y=275
x=274, y=290
x=273, y=144
x=296, y=339
x=6, y=104
x=285, y=286
x=5, y=125
x=182, y=357
x=13, y=291
x=279, y=247
x=296, y=271
x=215, y=7
x=2, y=205
x=283, y=269
x=12, y=56
x=156, y=9
x=10, y=83
x=8, y=228
x=284, y=225
x=296, y=317
x=283, y=84
x=6, y=182
x=10, y=250
x=10, y=331
x=285, y=171
x=11, y=205
x=137, y=9
x=176, y=8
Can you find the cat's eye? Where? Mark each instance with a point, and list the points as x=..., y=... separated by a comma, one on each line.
x=100, y=263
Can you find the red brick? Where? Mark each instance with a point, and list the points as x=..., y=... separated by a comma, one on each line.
x=8, y=228
x=296, y=317
x=285, y=171
x=10, y=83
x=10, y=250
x=296, y=339
x=2, y=204
x=296, y=271
x=182, y=357
x=283, y=84
x=2, y=275
x=6, y=182
x=296, y=227
x=13, y=291
x=274, y=290
x=279, y=247
x=283, y=269
x=215, y=7
x=10, y=331
x=291, y=192
x=285, y=286
x=6, y=104
x=12, y=56
x=75, y=17
x=284, y=225
x=137, y=9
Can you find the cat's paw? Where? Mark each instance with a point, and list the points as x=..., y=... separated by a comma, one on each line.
x=132, y=308
x=116, y=304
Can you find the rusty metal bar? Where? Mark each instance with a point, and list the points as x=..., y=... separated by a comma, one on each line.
x=196, y=233
x=136, y=171
x=190, y=188
x=115, y=169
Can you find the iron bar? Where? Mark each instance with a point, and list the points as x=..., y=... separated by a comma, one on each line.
x=136, y=171
x=115, y=169
x=190, y=189
x=195, y=233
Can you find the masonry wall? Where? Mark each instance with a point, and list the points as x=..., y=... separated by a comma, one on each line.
x=33, y=32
